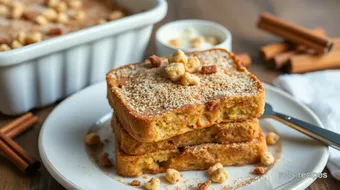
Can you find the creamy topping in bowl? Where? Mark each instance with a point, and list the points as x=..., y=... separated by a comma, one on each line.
x=190, y=38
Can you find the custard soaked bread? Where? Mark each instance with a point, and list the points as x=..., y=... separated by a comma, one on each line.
x=151, y=107
x=197, y=157
x=225, y=133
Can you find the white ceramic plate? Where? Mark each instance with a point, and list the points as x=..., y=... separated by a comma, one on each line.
x=62, y=148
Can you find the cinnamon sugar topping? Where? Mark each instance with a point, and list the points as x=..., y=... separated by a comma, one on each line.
x=149, y=91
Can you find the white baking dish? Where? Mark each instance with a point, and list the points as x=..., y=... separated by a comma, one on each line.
x=39, y=74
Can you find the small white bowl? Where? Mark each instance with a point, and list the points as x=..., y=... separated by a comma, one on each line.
x=172, y=30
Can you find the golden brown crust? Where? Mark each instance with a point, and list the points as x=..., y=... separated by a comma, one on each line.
x=198, y=157
x=225, y=133
x=149, y=128
x=146, y=130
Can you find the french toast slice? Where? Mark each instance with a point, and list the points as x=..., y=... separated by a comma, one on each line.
x=151, y=107
x=198, y=157
x=224, y=133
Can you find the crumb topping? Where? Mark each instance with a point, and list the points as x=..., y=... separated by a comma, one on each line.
x=148, y=90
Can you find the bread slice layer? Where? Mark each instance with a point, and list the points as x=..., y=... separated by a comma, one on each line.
x=223, y=133
x=151, y=107
x=197, y=157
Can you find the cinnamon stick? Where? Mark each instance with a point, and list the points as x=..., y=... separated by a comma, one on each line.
x=279, y=60
x=336, y=44
x=7, y=128
x=309, y=62
x=12, y=150
x=18, y=155
x=269, y=51
x=294, y=33
x=13, y=157
x=20, y=151
x=303, y=48
x=22, y=127
x=244, y=58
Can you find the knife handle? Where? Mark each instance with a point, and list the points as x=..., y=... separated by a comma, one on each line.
x=328, y=137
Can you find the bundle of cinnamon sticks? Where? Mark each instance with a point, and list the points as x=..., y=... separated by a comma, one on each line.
x=16, y=154
x=302, y=50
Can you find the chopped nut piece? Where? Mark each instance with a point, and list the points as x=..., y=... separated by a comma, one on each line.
x=33, y=38
x=153, y=184
x=258, y=170
x=16, y=44
x=212, y=40
x=189, y=79
x=75, y=4
x=175, y=71
x=92, y=139
x=105, y=161
x=50, y=14
x=55, y=31
x=4, y=40
x=30, y=15
x=135, y=183
x=62, y=18
x=147, y=61
x=210, y=69
x=155, y=61
x=5, y=1
x=17, y=5
x=41, y=20
x=4, y=11
x=267, y=158
x=164, y=60
x=4, y=47
x=21, y=37
x=172, y=176
x=213, y=168
x=199, y=39
x=196, y=45
x=116, y=15
x=17, y=13
x=193, y=65
x=272, y=138
x=219, y=176
x=179, y=57
x=101, y=21
x=79, y=15
x=175, y=42
x=52, y=3
x=197, y=42
x=203, y=186
x=17, y=10
x=61, y=7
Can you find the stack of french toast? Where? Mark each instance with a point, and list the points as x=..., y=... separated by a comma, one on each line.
x=185, y=112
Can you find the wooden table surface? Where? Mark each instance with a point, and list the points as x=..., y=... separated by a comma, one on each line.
x=240, y=18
